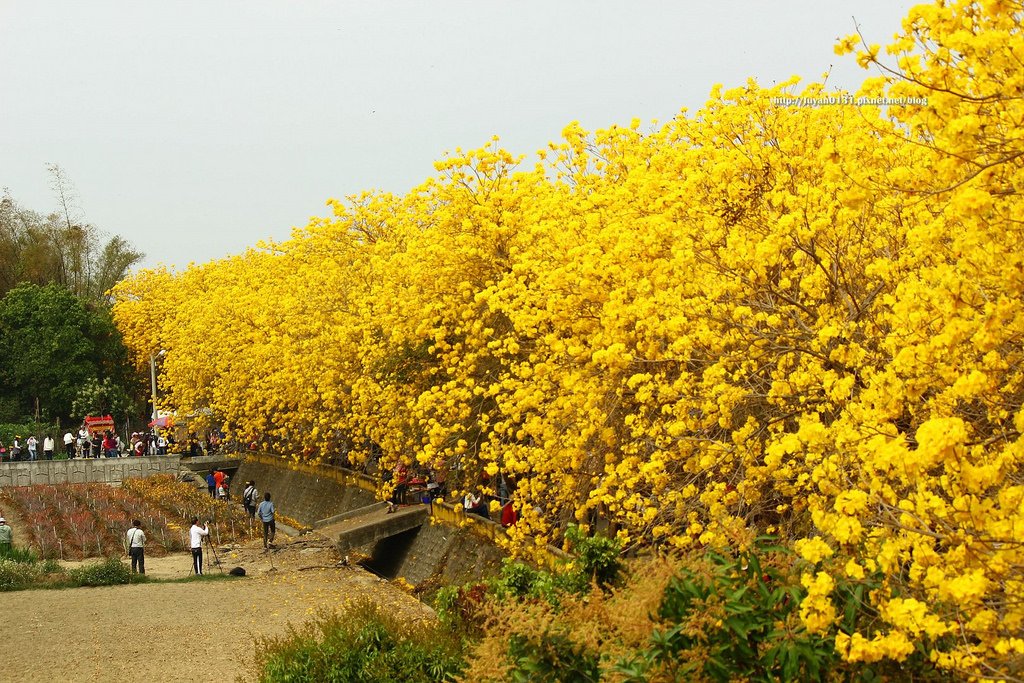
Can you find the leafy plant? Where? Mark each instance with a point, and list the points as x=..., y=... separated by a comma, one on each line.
x=360, y=643
x=553, y=658
x=20, y=554
x=597, y=557
x=110, y=572
x=17, y=575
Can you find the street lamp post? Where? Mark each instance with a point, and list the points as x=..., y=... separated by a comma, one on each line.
x=152, y=377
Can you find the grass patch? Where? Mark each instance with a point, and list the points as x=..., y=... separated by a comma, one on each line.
x=110, y=572
x=21, y=569
x=20, y=554
x=360, y=643
x=16, y=575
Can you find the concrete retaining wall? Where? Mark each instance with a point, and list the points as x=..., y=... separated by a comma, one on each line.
x=303, y=492
x=454, y=556
x=80, y=471
x=450, y=546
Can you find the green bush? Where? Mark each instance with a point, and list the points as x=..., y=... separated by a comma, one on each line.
x=111, y=572
x=553, y=659
x=51, y=566
x=20, y=554
x=16, y=575
x=735, y=616
x=597, y=557
x=360, y=644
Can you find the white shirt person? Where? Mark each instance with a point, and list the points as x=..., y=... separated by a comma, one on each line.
x=196, y=534
x=136, y=539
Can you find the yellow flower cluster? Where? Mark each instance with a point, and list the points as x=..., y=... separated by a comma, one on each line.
x=757, y=317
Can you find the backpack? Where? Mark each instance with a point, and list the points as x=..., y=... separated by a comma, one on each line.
x=247, y=495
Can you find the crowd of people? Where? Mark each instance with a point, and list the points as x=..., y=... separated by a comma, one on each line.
x=85, y=444
x=429, y=485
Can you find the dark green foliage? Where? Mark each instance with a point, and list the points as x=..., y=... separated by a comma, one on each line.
x=52, y=346
x=597, y=557
x=737, y=612
x=361, y=644
x=735, y=616
x=554, y=659
x=20, y=554
x=110, y=572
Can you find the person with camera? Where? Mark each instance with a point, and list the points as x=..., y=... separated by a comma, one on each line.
x=196, y=534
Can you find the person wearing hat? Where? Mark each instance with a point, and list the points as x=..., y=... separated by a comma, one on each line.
x=6, y=537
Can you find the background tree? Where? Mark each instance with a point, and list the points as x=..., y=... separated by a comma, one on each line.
x=53, y=345
x=101, y=397
x=60, y=247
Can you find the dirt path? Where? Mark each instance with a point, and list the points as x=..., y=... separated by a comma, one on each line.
x=198, y=631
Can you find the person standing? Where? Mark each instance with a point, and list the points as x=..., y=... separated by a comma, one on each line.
x=48, y=447
x=32, y=444
x=249, y=496
x=137, y=547
x=69, y=445
x=196, y=534
x=109, y=446
x=84, y=445
x=266, y=515
x=211, y=484
x=6, y=538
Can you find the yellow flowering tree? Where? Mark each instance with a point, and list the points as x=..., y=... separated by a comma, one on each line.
x=804, y=321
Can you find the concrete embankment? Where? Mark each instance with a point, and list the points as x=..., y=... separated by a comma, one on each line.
x=445, y=546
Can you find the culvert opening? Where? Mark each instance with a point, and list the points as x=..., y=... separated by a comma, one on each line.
x=389, y=554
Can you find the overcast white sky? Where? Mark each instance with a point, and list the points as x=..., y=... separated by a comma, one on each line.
x=196, y=128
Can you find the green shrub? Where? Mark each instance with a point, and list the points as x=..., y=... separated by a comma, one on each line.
x=362, y=644
x=553, y=659
x=20, y=554
x=16, y=575
x=446, y=605
x=110, y=572
x=735, y=616
x=597, y=557
x=51, y=567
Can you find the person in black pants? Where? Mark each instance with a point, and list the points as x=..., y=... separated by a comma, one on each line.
x=196, y=534
x=137, y=547
x=266, y=513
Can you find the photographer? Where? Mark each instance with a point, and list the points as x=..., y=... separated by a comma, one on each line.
x=196, y=534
